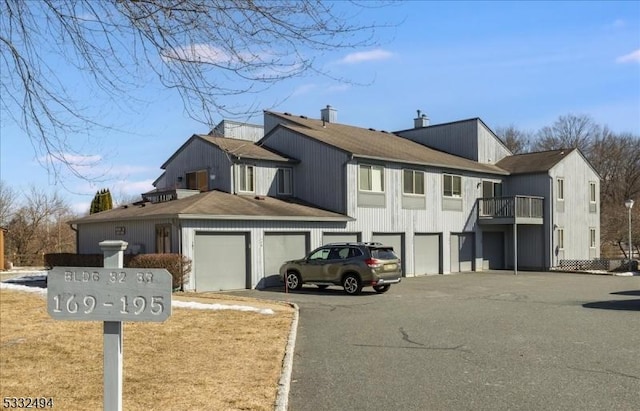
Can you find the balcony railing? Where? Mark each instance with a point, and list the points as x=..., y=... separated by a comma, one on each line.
x=511, y=208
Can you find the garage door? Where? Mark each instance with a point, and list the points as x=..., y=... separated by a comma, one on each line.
x=220, y=261
x=340, y=238
x=278, y=248
x=427, y=252
x=394, y=240
x=462, y=252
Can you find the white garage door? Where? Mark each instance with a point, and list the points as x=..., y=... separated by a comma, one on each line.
x=340, y=238
x=462, y=246
x=278, y=248
x=426, y=252
x=394, y=240
x=220, y=261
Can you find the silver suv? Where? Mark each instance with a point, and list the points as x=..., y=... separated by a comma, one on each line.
x=350, y=265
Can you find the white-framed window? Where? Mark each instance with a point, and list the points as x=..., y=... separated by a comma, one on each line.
x=198, y=180
x=285, y=181
x=561, y=189
x=371, y=178
x=592, y=237
x=560, y=232
x=592, y=192
x=413, y=182
x=246, y=179
x=452, y=186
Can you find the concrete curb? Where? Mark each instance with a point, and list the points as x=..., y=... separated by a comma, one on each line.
x=282, y=398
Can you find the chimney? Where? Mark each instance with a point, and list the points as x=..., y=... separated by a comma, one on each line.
x=329, y=115
x=421, y=121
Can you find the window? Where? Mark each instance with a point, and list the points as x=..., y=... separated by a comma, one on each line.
x=413, y=182
x=592, y=237
x=321, y=254
x=491, y=189
x=592, y=192
x=245, y=178
x=561, y=238
x=163, y=239
x=285, y=185
x=197, y=180
x=371, y=178
x=561, y=189
x=452, y=186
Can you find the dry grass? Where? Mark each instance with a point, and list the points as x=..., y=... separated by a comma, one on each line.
x=196, y=360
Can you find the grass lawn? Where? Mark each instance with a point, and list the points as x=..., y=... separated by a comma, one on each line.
x=196, y=360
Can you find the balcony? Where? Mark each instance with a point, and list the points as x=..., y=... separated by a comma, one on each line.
x=511, y=210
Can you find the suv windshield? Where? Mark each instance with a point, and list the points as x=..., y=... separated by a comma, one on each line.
x=383, y=253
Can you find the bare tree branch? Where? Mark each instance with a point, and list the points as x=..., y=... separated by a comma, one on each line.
x=204, y=49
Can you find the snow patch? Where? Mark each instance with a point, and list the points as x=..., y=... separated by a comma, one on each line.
x=200, y=306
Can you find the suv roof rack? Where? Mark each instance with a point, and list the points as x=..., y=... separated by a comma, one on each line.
x=365, y=243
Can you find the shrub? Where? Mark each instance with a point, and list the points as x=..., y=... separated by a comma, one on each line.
x=178, y=265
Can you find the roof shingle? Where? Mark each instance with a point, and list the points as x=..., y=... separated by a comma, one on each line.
x=370, y=143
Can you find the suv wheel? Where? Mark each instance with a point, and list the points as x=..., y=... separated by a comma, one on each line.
x=352, y=284
x=381, y=288
x=294, y=281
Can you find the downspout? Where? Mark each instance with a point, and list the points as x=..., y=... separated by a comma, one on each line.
x=77, y=236
x=179, y=227
x=552, y=223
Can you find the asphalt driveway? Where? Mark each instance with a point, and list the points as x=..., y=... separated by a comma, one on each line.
x=480, y=341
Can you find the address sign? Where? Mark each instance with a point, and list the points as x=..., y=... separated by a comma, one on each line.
x=109, y=294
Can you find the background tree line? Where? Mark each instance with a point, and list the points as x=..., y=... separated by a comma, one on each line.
x=615, y=156
x=37, y=223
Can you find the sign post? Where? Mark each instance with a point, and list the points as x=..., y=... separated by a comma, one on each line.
x=112, y=294
x=112, y=336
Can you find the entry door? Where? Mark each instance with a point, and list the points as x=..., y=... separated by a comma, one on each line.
x=461, y=248
x=220, y=261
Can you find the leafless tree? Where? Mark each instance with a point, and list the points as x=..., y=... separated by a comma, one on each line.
x=204, y=49
x=516, y=140
x=570, y=131
x=39, y=226
x=7, y=201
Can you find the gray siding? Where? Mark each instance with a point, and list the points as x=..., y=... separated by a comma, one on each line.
x=576, y=219
x=242, y=131
x=490, y=148
x=460, y=138
x=319, y=178
x=394, y=217
x=199, y=155
x=137, y=233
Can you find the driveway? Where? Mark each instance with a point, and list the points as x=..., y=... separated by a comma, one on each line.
x=480, y=341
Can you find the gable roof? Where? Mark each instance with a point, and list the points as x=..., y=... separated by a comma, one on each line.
x=531, y=163
x=217, y=205
x=380, y=145
x=235, y=147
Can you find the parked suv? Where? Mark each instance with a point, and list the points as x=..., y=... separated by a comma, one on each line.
x=350, y=265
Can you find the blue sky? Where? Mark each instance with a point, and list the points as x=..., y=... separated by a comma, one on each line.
x=520, y=63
